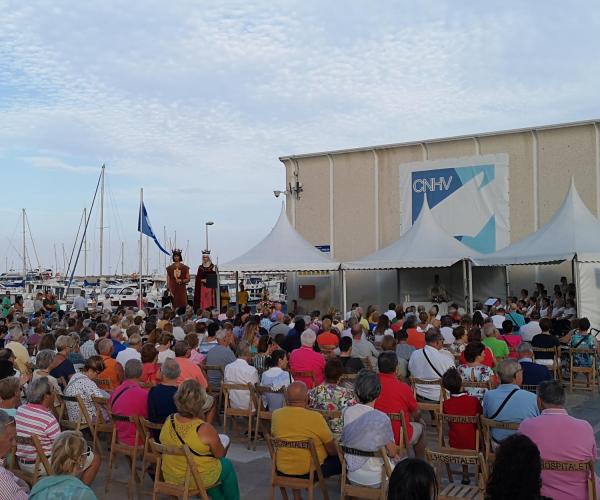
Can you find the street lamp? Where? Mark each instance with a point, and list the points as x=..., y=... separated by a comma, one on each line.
x=206, y=224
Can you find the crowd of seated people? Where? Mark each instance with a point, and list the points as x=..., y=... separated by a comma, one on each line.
x=164, y=365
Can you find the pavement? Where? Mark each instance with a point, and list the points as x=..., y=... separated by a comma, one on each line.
x=254, y=467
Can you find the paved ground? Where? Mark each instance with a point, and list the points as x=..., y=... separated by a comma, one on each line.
x=253, y=467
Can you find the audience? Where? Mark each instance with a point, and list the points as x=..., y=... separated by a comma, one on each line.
x=361, y=347
x=83, y=384
x=533, y=328
x=113, y=371
x=294, y=422
x=132, y=351
x=413, y=479
x=559, y=436
x=150, y=368
x=187, y=427
x=350, y=363
x=161, y=401
x=10, y=395
x=277, y=378
x=241, y=371
x=305, y=359
x=498, y=347
x=509, y=403
x=474, y=370
x=43, y=361
x=11, y=486
x=544, y=340
x=367, y=429
x=219, y=355
x=430, y=364
x=61, y=367
x=188, y=370
x=533, y=373
x=516, y=474
x=329, y=396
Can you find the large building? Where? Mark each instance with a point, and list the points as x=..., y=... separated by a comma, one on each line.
x=359, y=200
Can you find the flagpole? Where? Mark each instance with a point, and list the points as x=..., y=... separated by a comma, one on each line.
x=141, y=244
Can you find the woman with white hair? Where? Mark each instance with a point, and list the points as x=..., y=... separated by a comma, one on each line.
x=43, y=360
x=306, y=359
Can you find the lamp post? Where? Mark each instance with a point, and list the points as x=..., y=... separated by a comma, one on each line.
x=206, y=224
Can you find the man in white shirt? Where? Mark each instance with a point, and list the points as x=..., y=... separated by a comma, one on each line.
x=531, y=329
x=391, y=312
x=80, y=303
x=178, y=332
x=447, y=331
x=132, y=351
x=499, y=318
x=430, y=364
x=240, y=372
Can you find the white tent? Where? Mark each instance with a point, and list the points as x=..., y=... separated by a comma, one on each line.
x=426, y=244
x=282, y=250
x=572, y=234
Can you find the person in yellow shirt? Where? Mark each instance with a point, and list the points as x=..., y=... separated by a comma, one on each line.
x=295, y=422
x=242, y=297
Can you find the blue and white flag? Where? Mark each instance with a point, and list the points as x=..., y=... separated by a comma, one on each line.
x=146, y=228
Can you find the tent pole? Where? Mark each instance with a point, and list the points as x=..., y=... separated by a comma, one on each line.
x=398, y=300
x=577, y=287
x=470, y=269
x=465, y=284
x=507, y=279
x=237, y=292
x=344, y=296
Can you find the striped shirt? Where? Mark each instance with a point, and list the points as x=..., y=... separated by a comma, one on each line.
x=36, y=419
x=11, y=487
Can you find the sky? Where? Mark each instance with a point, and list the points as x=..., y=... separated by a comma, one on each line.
x=195, y=101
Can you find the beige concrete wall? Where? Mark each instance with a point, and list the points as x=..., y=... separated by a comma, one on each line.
x=564, y=153
x=389, y=189
x=450, y=149
x=354, y=205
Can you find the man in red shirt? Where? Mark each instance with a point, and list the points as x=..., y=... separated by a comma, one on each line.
x=306, y=359
x=397, y=397
x=327, y=337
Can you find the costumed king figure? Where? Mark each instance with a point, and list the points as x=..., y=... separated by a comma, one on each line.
x=205, y=296
x=178, y=276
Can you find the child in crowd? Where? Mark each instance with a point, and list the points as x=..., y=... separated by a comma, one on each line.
x=460, y=436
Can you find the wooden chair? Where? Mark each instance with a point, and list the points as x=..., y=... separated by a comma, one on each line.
x=188, y=489
x=488, y=442
x=555, y=367
x=305, y=374
x=146, y=428
x=367, y=362
x=356, y=491
x=444, y=421
x=131, y=452
x=589, y=372
x=104, y=384
x=530, y=388
x=228, y=411
x=348, y=379
x=329, y=415
x=471, y=384
x=587, y=467
x=455, y=491
x=215, y=389
x=425, y=406
x=262, y=413
x=85, y=420
x=40, y=460
x=103, y=424
x=403, y=442
x=296, y=483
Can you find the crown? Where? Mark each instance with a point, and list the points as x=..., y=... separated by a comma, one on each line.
x=176, y=251
x=205, y=252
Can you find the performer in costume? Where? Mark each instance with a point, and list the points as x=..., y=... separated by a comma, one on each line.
x=178, y=276
x=206, y=286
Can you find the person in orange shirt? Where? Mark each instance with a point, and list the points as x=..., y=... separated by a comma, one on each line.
x=189, y=370
x=415, y=337
x=113, y=371
x=327, y=337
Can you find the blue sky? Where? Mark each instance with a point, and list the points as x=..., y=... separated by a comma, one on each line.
x=194, y=101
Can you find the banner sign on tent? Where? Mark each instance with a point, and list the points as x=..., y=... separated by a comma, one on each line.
x=468, y=197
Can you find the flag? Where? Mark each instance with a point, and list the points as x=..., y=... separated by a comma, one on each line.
x=145, y=227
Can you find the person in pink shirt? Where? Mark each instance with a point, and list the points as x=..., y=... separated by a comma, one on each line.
x=128, y=400
x=560, y=437
x=510, y=338
x=305, y=359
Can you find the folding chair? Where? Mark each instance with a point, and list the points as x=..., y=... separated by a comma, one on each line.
x=262, y=413
x=146, y=428
x=131, y=452
x=305, y=374
x=455, y=491
x=367, y=362
x=228, y=411
x=40, y=459
x=444, y=445
x=555, y=367
x=104, y=384
x=403, y=442
x=357, y=491
x=103, y=424
x=85, y=420
x=215, y=389
x=423, y=405
x=329, y=415
x=530, y=388
x=186, y=490
x=488, y=441
x=588, y=371
x=575, y=466
x=296, y=483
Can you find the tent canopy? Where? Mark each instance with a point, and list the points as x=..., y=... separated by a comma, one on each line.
x=573, y=231
x=425, y=244
x=282, y=250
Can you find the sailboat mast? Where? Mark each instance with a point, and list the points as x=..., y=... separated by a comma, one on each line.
x=102, y=220
x=24, y=250
x=147, y=258
x=84, y=243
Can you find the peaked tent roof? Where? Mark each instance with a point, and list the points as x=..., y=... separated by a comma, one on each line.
x=283, y=249
x=572, y=231
x=425, y=244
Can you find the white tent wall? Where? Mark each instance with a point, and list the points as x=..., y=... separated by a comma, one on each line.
x=371, y=287
x=327, y=291
x=489, y=282
x=526, y=276
x=589, y=292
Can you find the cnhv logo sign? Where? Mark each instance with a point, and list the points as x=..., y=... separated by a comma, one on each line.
x=432, y=184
